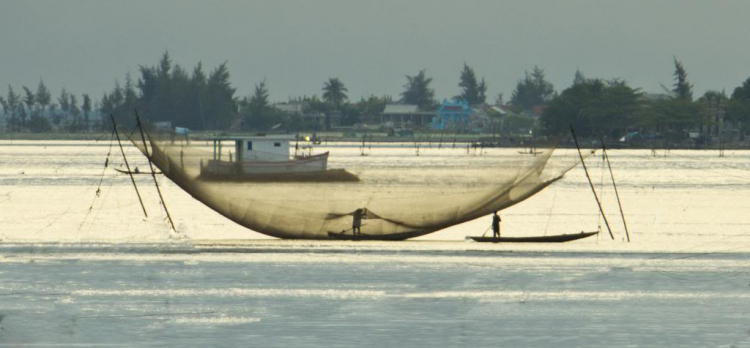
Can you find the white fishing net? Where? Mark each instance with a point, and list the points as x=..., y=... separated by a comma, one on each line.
x=405, y=189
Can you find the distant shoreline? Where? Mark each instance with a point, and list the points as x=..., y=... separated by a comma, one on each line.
x=478, y=140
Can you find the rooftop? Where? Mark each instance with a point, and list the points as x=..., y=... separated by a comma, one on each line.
x=400, y=109
x=257, y=137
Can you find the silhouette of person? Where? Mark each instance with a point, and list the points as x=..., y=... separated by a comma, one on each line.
x=357, y=222
x=496, y=225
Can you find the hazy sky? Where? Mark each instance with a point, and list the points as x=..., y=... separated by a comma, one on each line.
x=371, y=45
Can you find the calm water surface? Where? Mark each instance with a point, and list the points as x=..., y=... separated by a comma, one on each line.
x=106, y=276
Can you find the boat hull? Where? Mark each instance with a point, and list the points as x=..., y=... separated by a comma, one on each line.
x=387, y=237
x=331, y=175
x=317, y=163
x=560, y=238
x=308, y=169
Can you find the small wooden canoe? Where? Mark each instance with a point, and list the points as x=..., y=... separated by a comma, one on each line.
x=560, y=238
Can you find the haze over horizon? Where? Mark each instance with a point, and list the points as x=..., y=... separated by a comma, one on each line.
x=296, y=45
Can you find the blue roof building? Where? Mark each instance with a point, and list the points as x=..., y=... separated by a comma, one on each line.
x=451, y=114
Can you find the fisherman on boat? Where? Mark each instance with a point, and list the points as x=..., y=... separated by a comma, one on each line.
x=496, y=225
x=357, y=222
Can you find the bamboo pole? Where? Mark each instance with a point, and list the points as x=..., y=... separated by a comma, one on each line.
x=617, y=194
x=132, y=179
x=153, y=173
x=591, y=183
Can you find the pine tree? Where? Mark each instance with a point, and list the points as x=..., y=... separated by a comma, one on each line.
x=742, y=92
x=76, y=112
x=738, y=110
x=482, y=89
x=532, y=90
x=130, y=97
x=472, y=91
x=30, y=101
x=417, y=91
x=256, y=107
x=4, y=103
x=86, y=107
x=579, y=78
x=36, y=103
x=30, y=98
x=14, y=105
x=199, y=77
x=682, y=88
x=22, y=116
x=43, y=96
x=164, y=67
x=196, y=98
x=106, y=107
x=220, y=105
x=64, y=101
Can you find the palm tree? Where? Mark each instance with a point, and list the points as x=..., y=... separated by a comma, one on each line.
x=334, y=92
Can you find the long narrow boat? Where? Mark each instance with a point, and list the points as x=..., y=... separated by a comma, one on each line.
x=560, y=238
x=391, y=237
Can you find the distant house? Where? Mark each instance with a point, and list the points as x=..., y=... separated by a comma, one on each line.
x=314, y=118
x=451, y=114
x=297, y=109
x=514, y=121
x=302, y=110
x=498, y=110
x=485, y=117
x=405, y=116
x=290, y=109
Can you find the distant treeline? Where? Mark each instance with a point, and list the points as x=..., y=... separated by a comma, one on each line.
x=207, y=101
x=597, y=107
x=35, y=111
x=200, y=101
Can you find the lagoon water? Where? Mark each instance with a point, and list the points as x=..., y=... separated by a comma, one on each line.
x=81, y=269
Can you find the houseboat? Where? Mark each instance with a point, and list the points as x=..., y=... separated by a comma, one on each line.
x=267, y=158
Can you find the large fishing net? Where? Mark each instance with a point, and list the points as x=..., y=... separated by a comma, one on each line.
x=404, y=190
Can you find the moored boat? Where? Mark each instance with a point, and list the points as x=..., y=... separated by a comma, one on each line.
x=266, y=158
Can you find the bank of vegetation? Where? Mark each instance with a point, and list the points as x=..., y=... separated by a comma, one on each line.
x=204, y=100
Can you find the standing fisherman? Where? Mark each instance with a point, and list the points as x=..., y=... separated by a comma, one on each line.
x=496, y=225
x=357, y=222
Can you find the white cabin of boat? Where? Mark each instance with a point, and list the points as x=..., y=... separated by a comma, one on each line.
x=273, y=148
x=260, y=154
